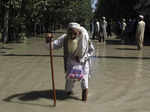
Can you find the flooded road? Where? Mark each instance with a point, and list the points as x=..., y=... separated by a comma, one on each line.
x=120, y=80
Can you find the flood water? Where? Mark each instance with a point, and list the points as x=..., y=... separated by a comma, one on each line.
x=120, y=80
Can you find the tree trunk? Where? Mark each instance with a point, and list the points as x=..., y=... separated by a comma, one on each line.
x=5, y=27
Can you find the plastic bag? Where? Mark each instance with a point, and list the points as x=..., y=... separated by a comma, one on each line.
x=76, y=72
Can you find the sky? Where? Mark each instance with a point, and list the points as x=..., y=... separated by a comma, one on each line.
x=93, y=2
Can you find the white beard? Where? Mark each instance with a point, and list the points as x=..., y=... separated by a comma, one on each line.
x=72, y=46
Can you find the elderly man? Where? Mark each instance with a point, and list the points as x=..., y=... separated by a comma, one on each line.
x=140, y=32
x=77, y=50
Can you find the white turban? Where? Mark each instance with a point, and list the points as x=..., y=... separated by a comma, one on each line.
x=74, y=25
x=103, y=18
x=141, y=16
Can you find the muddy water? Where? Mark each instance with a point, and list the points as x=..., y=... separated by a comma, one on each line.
x=120, y=80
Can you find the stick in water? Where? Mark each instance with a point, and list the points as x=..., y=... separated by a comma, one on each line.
x=52, y=71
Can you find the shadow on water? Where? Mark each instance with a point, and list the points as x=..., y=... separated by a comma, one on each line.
x=7, y=48
x=40, y=55
x=113, y=42
x=121, y=57
x=113, y=57
x=27, y=97
x=118, y=42
x=126, y=48
x=2, y=52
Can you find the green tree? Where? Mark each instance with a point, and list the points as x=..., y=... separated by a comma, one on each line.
x=29, y=16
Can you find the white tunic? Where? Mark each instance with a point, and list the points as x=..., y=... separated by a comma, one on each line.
x=140, y=34
x=85, y=49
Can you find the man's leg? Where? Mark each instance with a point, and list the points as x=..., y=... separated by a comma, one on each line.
x=84, y=86
x=84, y=94
x=69, y=86
x=93, y=36
x=100, y=36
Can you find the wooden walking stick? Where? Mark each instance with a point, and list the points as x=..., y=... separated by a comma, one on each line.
x=52, y=71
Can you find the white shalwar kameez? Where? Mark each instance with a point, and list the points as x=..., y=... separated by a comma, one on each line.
x=85, y=49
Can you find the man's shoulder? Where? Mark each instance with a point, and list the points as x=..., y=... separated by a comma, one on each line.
x=83, y=30
x=141, y=22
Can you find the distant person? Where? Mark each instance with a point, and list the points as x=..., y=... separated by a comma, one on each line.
x=103, y=30
x=97, y=28
x=140, y=32
x=94, y=29
x=77, y=51
x=123, y=29
x=91, y=27
x=109, y=28
x=129, y=30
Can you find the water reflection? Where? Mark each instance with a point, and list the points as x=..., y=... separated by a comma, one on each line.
x=139, y=65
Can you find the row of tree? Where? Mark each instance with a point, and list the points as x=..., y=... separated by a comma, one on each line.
x=37, y=16
x=128, y=9
x=117, y=9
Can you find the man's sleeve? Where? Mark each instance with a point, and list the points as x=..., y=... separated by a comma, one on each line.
x=91, y=49
x=58, y=43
